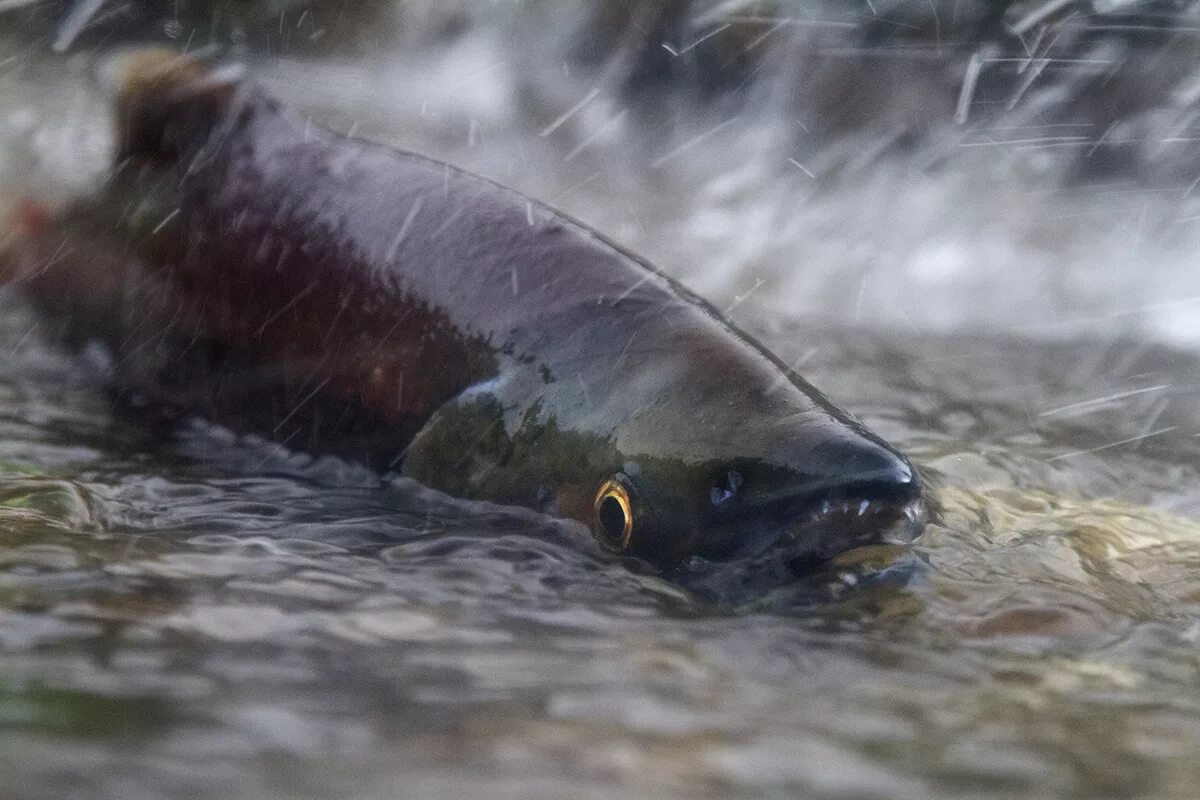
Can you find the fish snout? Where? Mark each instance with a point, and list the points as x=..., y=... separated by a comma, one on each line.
x=781, y=532
x=874, y=496
x=848, y=494
x=871, y=476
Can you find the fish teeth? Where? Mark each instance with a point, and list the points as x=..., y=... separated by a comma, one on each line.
x=848, y=507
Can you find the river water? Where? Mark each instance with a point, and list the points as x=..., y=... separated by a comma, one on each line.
x=189, y=614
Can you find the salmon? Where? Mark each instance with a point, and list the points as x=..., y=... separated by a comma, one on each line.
x=348, y=298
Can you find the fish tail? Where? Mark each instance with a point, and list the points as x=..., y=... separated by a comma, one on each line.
x=167, y=102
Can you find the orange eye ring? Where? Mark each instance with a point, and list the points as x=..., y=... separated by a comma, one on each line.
x=613, y=515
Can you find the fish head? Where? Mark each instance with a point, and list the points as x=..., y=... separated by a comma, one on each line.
x=821, y=491
x=722, y=454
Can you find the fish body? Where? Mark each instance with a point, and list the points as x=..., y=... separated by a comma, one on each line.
x=345, y=297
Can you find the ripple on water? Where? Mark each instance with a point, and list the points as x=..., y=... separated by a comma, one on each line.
x=194, y=614
x=235, y=608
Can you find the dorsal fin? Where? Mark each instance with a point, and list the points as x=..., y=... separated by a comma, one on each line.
x=168, y=102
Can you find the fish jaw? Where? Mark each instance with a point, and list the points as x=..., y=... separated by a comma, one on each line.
x=805, y=511
x=782, y=547
x=875, y=494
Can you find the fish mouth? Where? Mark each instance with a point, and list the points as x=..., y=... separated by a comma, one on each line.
x=787, y=542
x=817, y=520
x=835, y=525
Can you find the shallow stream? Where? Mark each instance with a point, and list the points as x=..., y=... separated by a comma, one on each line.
x=186, y=613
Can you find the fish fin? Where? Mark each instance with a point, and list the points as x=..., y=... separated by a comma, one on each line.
x=168, y=102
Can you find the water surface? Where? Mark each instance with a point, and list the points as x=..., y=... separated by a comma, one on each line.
x=188, y=613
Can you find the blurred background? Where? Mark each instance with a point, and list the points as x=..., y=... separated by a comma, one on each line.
x=901, y=163
x=974, y=223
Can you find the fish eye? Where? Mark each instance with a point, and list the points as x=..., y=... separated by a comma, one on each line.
x=614, y=514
